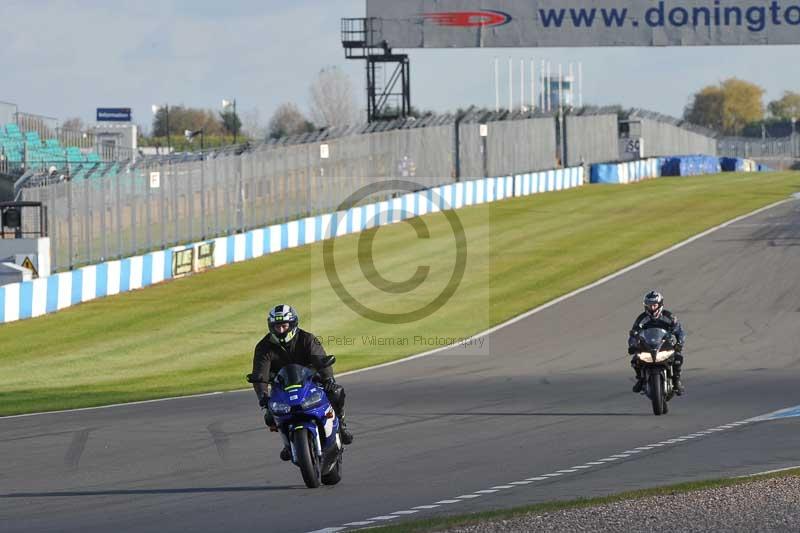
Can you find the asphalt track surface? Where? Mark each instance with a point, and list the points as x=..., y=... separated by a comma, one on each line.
x=553, y=392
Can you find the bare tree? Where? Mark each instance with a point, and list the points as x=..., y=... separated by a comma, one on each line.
x=288, y=120
x=251, y=124
x=74, y=124
x=333, y=100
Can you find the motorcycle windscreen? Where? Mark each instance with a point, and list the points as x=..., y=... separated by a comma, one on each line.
x=293, y=375
x=652, y=337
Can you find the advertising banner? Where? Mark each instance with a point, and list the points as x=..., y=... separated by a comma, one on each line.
x=558, y=23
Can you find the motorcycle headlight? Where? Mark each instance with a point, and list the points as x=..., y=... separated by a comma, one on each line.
x=279, y=408
x=313, y=399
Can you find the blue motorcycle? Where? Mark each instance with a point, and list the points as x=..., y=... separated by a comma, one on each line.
x=308, y=424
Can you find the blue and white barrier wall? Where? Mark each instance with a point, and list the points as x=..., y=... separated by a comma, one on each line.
x=690, y=165
x=629, y=172
x=738, y=164
x=47, y=295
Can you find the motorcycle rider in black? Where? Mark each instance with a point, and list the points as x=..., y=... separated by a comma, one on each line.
x=287, y=344
x=655, y=315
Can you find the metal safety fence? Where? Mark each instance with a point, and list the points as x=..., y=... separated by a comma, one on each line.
x=753, y=147
x=123, y=209
x=156, y=206
x=157, y=203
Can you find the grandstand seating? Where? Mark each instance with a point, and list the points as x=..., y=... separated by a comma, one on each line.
x=27, y=149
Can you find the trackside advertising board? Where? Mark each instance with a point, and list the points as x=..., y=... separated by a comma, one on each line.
x=556, y=23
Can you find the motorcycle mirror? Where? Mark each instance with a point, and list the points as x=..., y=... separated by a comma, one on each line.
x=328, y=361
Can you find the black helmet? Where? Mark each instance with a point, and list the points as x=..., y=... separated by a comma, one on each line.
x=283, y=314
x=653, y=304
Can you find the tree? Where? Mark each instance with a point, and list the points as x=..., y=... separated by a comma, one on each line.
x=186, y=118
x=73, y=124
x=288, y=120
x=742, y=104
x=251, y=124
x=728, y=107
x=333, y=100
x=230, y=121
x=706, y=108
x=787, y=108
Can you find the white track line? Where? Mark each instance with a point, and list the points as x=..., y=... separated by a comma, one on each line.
x=772, y=471
x=489, y=331
x=575, y=469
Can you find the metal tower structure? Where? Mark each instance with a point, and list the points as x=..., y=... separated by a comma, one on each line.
x=388, y=97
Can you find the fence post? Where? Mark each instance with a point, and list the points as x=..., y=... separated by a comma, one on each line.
x=457, y=147
x=203, y=229
x=69, y=223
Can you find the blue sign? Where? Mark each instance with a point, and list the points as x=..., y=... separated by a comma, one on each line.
x=113, y=114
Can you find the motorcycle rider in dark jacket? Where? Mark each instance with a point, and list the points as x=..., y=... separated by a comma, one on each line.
x=655, y=315
x=287, y=344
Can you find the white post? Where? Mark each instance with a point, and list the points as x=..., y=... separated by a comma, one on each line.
x=560, y=90
x=496, y=86
x=580, y=84
x=533, y=85
x=571, y=93
x=542, y=89
x=549, y=90
x=522, y=85
x=510, y=85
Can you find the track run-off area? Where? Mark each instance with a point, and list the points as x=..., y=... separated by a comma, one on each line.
x=542, y=410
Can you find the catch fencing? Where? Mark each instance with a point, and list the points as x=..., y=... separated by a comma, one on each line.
x=788, y=147
x=157, y=203
x=667, y=136
x=523, y=142
x=591, y=138
x=157, y=206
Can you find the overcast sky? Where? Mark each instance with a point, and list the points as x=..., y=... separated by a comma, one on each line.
x=65, y=58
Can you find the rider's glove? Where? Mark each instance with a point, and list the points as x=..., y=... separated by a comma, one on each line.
x=330, y=386
x=631, y=350
x=269, y=420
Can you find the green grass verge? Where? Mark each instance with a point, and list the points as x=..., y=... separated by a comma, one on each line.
x=443, y=523
x=197, y=334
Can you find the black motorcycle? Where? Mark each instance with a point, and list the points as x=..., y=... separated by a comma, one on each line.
x=655, y=356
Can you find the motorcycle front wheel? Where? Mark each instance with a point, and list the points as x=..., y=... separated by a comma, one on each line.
x=306, y=458
x=657, y=395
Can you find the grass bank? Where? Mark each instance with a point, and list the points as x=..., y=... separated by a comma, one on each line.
x=197, y=334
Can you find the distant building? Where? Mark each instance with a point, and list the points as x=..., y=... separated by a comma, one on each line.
x=561, y=91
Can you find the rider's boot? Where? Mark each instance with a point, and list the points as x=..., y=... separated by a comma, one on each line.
x=639, y=385
x=344, y=433
x=676, y=384
x=286, y=453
